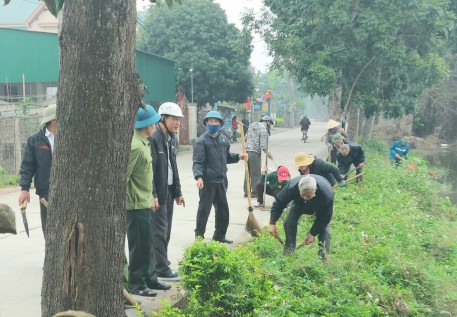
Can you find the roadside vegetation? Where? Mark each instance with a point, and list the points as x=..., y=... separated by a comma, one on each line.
x=394, y=253
x=7, y=179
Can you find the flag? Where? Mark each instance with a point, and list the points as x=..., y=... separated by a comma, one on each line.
x=247, y=104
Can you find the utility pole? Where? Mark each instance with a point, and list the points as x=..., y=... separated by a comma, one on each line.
x=192, y=85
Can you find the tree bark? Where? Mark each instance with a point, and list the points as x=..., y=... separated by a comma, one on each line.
x=335, y=111
x=99, y=93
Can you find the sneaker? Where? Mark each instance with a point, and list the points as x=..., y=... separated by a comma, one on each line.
x=170, y=275
x=259, y=205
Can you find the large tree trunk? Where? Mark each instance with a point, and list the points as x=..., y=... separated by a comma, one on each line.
x=335, y=110
x=99, y=93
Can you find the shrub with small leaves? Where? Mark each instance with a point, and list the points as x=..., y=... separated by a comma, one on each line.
x=222, y=282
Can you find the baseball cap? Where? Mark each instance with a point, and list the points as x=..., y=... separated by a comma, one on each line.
x=283, y=174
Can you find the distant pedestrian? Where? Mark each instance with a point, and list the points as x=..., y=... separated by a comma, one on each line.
x=140, y=203
x=310, y=164
x=304, y=125
x=276, y=181
x=167, y=186
x=210, y=158
x=311, y=195
x=399, y=150
x=234, y=128
x=256, y=143
x=37, y=160
x=245, y=123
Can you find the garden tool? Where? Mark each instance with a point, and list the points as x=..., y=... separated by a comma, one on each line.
x=23, y=206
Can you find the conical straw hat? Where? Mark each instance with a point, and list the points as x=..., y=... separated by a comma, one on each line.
x=332, y=124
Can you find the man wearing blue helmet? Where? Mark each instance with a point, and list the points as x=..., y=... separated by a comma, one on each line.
x=210, y=158
x=140, y=204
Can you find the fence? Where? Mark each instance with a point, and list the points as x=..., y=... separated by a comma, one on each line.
x=16, y=125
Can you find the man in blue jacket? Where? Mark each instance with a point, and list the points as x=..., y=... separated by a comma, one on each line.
x=36, y=162
x=399, y=150
x=311, y=195
x=210, y=158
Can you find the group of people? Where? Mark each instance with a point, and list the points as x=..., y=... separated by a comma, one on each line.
x=153, y=184
x=152, y=188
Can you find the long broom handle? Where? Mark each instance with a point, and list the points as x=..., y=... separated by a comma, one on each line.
x=265, y=180
x=246, y=168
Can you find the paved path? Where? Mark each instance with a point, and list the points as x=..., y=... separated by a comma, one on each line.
x=21, y=258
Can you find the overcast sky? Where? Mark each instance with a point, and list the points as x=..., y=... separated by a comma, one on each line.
x=234, y=9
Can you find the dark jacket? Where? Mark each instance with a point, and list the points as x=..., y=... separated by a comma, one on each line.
x=321, y=205
x=329, y=171
x=160, y=157
x=355, y=156
x=305, y=123
x=210, y=158
x=36, y=162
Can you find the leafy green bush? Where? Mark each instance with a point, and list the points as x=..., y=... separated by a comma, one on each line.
x=279, y=122
x=222, y=282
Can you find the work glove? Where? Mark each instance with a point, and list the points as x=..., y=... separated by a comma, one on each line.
x=342, y=183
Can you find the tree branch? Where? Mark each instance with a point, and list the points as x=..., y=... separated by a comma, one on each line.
x=346, y=106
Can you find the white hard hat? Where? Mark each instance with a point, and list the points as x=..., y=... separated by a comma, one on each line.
x=171, y=109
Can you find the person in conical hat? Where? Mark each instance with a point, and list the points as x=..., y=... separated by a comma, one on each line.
x=332, y=129
x=310, y=164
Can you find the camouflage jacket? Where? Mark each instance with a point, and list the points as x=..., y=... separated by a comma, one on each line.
x=257, y=137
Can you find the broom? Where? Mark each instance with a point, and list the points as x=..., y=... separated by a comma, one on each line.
x=252, y=225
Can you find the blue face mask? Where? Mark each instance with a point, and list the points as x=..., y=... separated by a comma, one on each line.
x=213, y=128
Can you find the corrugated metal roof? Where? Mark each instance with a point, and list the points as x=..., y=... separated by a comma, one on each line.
x=158, y=76
x=35, y=54
x=17, y=11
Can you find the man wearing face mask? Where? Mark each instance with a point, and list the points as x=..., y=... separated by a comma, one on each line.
x=210, y=158
x=311, y=195
x=167, y=186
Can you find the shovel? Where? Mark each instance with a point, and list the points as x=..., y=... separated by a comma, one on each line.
x=23, y=206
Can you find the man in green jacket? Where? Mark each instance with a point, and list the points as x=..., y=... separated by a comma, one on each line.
x=141, y=270
x=275, y=182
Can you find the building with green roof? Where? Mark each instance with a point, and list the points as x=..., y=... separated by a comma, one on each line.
x=30, y=67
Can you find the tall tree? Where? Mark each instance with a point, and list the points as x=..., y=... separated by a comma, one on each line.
x=99, y=93
x=375, y=54
x=197, y=36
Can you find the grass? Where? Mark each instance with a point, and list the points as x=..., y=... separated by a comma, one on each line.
x=394, y=252
x=6, y=179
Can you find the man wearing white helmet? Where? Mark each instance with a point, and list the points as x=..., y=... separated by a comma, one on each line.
x=167, y=186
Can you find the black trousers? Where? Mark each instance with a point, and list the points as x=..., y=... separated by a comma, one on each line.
x=213, y=194
x=44, y=214
x=290, y=228
x=161, y=230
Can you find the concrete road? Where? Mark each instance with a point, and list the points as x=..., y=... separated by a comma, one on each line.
x=21, y=258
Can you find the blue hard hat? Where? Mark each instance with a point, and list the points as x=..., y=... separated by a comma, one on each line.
x=213, y=115
x=146, y=117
